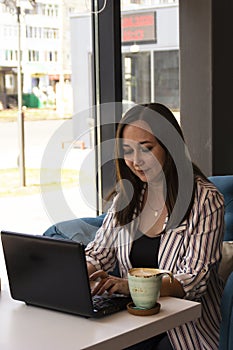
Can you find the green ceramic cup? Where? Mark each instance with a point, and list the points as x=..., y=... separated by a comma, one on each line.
x=144, y=286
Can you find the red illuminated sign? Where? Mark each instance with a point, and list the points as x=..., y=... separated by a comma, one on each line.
x=139, y=27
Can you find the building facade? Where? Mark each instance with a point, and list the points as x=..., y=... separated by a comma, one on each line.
x=150, y=65
x=150, y=56
x=45, y=42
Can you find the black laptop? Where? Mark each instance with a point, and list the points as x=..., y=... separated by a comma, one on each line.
x=52, y=273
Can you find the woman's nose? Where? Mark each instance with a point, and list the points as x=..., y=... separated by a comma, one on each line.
x=138, y=160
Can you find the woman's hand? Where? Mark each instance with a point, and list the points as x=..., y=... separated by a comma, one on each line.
x=105, y=282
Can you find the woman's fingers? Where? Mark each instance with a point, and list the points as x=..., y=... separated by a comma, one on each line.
x=101, y=282
x=97, y=280
x=98, y=288
x=98, y=274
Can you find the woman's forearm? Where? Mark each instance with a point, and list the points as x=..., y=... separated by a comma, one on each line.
x=173, y=289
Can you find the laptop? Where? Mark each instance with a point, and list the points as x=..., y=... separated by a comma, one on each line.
x=52, y=273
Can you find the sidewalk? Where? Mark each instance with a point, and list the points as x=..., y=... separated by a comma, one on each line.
x=8, y=115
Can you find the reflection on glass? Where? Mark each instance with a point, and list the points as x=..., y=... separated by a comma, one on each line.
x=166, y=77
x=136, y=77
x=150, y=51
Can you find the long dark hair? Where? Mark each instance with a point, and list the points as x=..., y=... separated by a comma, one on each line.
x=164, y=126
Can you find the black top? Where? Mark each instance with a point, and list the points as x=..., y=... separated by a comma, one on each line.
x=144, y=251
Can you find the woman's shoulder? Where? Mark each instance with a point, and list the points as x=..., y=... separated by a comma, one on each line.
x=205, y=188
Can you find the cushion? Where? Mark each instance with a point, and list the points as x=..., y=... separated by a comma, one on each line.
x=226, y=327
x=224, y=184
x=81, y=230
x=226, y=264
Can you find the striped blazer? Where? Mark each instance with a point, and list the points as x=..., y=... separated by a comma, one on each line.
x=192, y=251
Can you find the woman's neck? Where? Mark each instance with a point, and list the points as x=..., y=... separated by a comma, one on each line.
x=156, y=188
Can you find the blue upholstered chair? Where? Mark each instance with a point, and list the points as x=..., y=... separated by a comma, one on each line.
x=225, y=186
x=82, y=230
x=226, y=328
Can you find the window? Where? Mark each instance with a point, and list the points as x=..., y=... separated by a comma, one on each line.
x=136, y=77
x=150, y=53
x=33, y=56
x=166, y=77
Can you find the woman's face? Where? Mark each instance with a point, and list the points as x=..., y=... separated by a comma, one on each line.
x=142, y=152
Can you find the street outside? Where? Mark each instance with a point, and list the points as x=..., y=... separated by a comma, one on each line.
x=27, y=217
x=30, y=213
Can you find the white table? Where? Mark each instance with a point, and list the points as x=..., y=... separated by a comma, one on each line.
x=31, y=328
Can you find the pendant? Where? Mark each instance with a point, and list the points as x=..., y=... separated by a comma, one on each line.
x=156, y=213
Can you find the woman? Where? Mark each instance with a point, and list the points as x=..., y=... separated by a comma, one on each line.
x=165, y=214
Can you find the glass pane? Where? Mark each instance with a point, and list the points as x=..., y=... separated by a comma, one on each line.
x=136, y=77
x=166, y=78
x=56, y=64
x=150, y=51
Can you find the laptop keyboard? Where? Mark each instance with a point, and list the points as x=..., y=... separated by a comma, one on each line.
x=109, y=303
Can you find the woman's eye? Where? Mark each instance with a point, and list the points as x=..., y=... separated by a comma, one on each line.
x=146, y=149
x=127, y=151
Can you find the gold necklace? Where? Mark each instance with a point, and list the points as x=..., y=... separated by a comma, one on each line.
x=156, y=211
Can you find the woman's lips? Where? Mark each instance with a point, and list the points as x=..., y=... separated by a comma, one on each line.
x=140, y=171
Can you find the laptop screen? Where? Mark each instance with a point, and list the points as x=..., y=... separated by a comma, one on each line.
x=52, y=273
x=47, y=272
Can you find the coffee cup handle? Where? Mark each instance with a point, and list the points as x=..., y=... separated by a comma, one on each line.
x=165, y=272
